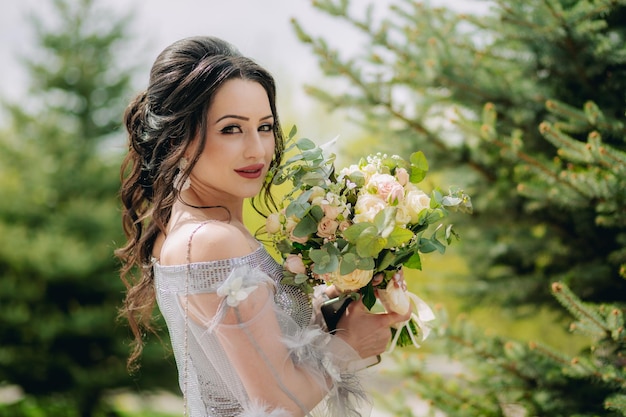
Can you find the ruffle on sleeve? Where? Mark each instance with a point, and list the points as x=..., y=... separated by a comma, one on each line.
x=332, y=360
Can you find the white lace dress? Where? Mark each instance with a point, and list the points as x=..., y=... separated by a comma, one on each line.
x=245, y=345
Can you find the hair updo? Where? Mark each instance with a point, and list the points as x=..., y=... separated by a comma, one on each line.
x=162, y=121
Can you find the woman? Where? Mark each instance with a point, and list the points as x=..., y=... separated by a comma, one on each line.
x=203, y=138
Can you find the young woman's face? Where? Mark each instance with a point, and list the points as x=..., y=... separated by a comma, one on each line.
x=239, y=142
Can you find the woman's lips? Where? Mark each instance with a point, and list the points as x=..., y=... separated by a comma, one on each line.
x=251, y=171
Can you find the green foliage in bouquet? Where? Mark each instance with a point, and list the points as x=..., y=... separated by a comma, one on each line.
x=326, y=220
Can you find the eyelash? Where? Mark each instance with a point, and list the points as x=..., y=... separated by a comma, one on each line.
x=232, y=129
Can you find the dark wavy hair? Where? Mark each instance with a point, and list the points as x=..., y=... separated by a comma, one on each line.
x=162, y=121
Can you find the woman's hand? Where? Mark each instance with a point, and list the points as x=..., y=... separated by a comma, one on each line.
x=368, y=333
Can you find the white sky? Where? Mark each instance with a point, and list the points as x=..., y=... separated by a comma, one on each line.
x=260, y=29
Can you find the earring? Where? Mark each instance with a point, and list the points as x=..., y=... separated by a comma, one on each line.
x=179, y=184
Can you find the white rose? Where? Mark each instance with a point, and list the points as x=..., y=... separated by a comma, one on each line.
x=317, y=194
x=369, y=170
x=367, y=207
x=272, y=223
x=353, y=281
x=414, y=202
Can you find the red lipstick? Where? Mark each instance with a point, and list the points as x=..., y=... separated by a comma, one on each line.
x=251, y=171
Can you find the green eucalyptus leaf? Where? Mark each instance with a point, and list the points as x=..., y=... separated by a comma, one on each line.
x=385, y=258
x=414, y=262
x=317, y=212
x=313, y=178
x=305, y=227
x=313, y=154
x=348, y=263
x=369, y=297
x=370, y=245
x=292, y=133
x=419, y=167
x=366, y=264
x=324, y=262
x=330, y=248
x=434, y=215
x=300, y=279
x=293, y=159
x=297, y=209
x=284, y=246
x=431, y=245
x=353, y=233
x=385, y=221
x=418, y=160
x=305, y=144
x=358, y=178
x=436, y=198
x=398, y=237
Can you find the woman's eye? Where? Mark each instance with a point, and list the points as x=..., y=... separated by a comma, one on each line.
x=231, y=129
x=266, y=127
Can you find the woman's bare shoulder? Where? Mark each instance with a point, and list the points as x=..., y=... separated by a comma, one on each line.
x=210, y=241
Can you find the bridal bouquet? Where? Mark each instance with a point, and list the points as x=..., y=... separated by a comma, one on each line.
x=345, y=227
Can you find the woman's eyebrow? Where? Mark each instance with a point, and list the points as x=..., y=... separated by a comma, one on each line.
x=234, y=116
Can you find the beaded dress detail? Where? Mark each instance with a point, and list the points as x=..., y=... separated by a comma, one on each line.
x=216, y=310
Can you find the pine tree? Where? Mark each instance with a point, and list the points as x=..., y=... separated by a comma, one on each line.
x=524, y=107
x=60, y=221
x=425, y=69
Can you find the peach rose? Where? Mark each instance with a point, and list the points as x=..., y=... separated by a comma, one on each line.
x=353, y=281
x=331, y=211
x=294, y=264
x=298, y=239
x=327, y=227
x=272, y=223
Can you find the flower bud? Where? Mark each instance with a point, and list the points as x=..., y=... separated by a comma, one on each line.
x=394, y=298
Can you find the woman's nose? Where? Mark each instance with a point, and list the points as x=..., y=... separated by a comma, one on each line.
x=254, y=146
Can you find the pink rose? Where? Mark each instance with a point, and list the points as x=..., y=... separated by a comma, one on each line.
x=386, y=187
x=294, y=264
x=395, y=194
x=403, y=176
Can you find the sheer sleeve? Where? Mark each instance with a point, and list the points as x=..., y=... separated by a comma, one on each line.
x=262, y=358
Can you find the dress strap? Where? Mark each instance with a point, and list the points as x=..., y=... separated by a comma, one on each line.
x=188, y=259
x=186, y=308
